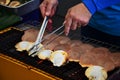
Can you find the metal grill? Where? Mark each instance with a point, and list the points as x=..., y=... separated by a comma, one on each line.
x=71, y=71
x=8, y=40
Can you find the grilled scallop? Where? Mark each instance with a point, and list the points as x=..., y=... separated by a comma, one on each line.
x=58, y=58
x=96, y=73
x=23, y=45
x=44, y=54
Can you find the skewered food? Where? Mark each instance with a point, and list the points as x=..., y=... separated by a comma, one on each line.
x=4, y=2
x=14, y=3
x=44, y=54
x=58, y=58
x=96, y=73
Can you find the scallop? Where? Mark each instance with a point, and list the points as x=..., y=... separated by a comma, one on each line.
x=58, y=58
x=23, y=45
x=44, y=54
x=26, y=45
x=96, y=73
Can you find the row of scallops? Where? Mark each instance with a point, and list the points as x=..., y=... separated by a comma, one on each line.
x=61, y=50
x=58, y=57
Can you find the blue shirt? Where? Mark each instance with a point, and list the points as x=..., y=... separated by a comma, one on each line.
x=105, y=15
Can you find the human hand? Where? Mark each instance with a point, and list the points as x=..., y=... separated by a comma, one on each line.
x=76, y=16
x=48, y=7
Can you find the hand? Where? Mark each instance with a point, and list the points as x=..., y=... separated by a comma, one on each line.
x=48, y=7
x=76, y=16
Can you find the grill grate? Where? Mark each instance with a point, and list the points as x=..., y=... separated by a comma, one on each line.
x=68, y=71
x=71, y=71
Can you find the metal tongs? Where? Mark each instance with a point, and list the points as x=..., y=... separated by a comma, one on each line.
x=36, y=46
x=40, y=48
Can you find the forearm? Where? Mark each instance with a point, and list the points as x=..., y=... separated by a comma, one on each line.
x=96, y=5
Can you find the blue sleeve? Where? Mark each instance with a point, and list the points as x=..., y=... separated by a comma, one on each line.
x=96, y=5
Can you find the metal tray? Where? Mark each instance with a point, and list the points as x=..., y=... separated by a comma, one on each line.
x=22, y=9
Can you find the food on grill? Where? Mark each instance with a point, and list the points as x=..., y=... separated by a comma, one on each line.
x=96, y=73
x=87, y=60
x=64, y=47
x=4, y=2
x=51, y=45
x=116, y=58
x=58, y=58
x=14, y=3
x=30, y=35
x=49, y=42
x=74, y=54
x=23, y=45
x=85, y=54
x=97, y=56
x=62, y=39
x=44, y=54
x=50, y=37
x=75, y=43
x=77, y=49
x=86, y=47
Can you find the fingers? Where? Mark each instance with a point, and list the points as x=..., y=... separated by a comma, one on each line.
x=48, y=7
x=49, y=10
x=74, y=25
x=43, y=8
x=76, y=16
x=70, y=23
x=67, y=26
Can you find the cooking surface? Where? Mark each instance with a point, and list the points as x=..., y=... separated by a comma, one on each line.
x=69, y=71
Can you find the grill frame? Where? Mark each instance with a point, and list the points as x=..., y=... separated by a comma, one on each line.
x=69, y=70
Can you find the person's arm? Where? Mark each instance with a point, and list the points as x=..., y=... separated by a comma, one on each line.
x=96, y=5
